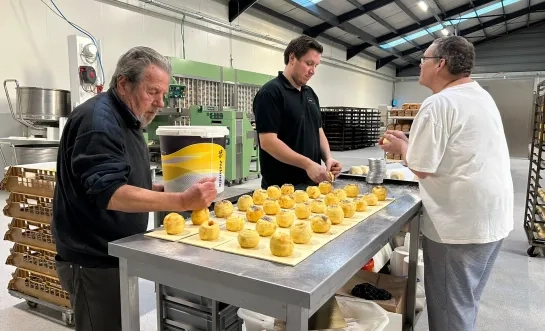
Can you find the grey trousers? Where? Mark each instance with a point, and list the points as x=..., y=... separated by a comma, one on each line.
x=454, y=278
x=94, y=295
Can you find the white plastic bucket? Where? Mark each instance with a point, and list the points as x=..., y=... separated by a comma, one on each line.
x=190, y=153
x=254, y=321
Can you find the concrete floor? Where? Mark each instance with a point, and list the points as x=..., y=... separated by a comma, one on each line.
x=511, y=301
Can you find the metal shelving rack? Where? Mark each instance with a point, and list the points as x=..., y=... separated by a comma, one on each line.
x=534, y=215
x=348, y=128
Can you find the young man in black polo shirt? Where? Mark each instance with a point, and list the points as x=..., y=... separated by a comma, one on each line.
x=287, y=113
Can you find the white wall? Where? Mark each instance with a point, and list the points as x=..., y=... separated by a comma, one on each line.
x=35, y=46
x=410, y=92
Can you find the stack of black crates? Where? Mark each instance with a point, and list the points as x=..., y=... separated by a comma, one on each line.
x=349, y=128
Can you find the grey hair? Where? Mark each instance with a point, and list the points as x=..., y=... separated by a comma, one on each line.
x=135, y=61
x=459, y=54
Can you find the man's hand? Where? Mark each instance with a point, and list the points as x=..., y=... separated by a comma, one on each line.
x=397, y=145
x=334, y=166
x=200, y=195
x=396, y=133
x=317, y=173
x=158, y=187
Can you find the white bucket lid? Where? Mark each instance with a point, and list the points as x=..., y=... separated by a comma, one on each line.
x=193, y=130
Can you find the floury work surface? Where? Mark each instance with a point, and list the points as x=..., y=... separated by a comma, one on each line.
x=509, y=301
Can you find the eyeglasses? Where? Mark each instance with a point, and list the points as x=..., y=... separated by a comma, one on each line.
x=424, y=58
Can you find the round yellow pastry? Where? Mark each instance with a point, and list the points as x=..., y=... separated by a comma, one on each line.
x=320, y=224
x=365, y=169
x=381, y=192
x=302, y=210
x=274, y=192
x=352, y=190
x=223, y=208
x=355, y=170
x=209, y=231
x=198, y=217
x=335, y=214
x=248, y=238
x=371, y=199
x=271, y=207
x=385, y=141
x=397, y=175
x=325, y=187
x=348, y=207
x=281, y=245
x=285, y=218
x=301, y=233
x=244, y=202
x=174, y=223
x=300, y=196
x=254, y=213
x=287, y=189
x=361, y=204
x=286, y=201
x=259, y=196
x=234, y=223
x=266, y=226
x=331, y=176
x=331, y=199
x=313, y=192
x=340, y=193
x=317, y=206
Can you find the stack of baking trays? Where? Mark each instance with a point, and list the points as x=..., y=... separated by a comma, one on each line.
x=30, y=207
x=349, y=128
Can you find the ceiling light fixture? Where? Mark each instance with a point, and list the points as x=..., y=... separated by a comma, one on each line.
x=423, y=5
x=445, y=32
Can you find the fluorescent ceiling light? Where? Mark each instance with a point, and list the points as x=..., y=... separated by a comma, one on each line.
x=435, y=28
x=423, y=5
x=444, y=32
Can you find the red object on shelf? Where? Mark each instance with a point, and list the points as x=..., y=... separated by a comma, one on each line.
x=99, y=88
x=369, y=266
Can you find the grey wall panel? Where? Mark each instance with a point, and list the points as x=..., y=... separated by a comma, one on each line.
x=521, y=51
x=514, y=98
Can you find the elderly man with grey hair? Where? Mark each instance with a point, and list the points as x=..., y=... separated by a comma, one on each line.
x=104, y=190
x=458, y=150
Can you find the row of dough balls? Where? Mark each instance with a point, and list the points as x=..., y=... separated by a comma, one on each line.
x=364, y=170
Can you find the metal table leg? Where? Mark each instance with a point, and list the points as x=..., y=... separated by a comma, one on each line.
x=413, y=262
x=296, y=318
x=130, y=302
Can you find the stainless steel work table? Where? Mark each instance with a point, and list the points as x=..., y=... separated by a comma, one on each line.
x=288, y=293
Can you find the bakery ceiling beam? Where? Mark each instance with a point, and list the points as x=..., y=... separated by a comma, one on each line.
x=237, y=7
x=472, y=29
x=302, y=26
x=489, y=39
x=323, y=14
x=409, y=13
x=360, y=10
x=449, y=14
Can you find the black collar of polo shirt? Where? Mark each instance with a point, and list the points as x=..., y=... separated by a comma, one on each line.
x=287, y=83
x=127, y=114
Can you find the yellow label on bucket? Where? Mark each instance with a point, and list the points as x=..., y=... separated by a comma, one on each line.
x=191, y=163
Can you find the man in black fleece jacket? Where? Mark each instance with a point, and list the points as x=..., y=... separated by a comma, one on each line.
x=104, y=190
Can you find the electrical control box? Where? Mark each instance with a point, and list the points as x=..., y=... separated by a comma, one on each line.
x=86, y=76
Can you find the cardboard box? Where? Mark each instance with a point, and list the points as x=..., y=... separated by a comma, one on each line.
x=397, y=286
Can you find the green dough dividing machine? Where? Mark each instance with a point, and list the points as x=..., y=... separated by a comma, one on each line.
x=241, y=143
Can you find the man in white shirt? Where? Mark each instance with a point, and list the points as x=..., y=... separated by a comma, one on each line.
x=457, y=148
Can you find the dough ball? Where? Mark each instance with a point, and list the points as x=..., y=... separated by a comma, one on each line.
x=234, y=223
x=266, y=226
x=365, y=170
x=331, y=199
x=271, y=207
x=325, y=187
x=320, y=224
x=355, y=170
x=361, y=204
x=209, y=231
x=349, y=208
x=313, y=192
x=285, y=218
x=300, y=233
x=274, y=192
x=281, y=245
x=244, y=202
x=287, y=189
x=300, y=196
x=223, y=208
x=302, y=210
x=385, y=141
x=397, y=175
x=198, y=217
x=340, y=193
x=174, y=223
x=371, y=199
x=248, y=238
x=335, y=214
x=352, y=190
x=381, y=192
x=286, y=201
x=254, y=213
x=259, y=196
x=317, y=206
